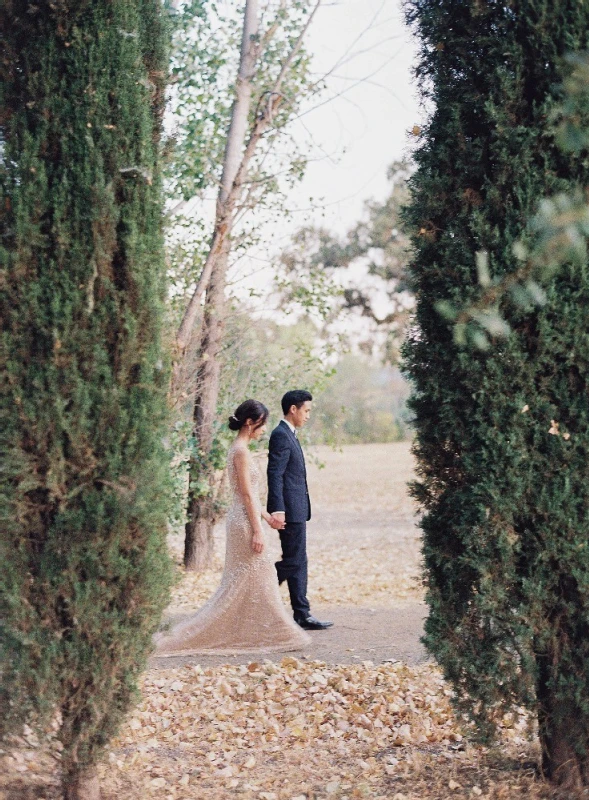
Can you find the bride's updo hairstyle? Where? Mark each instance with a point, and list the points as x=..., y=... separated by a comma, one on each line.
x=249, y=409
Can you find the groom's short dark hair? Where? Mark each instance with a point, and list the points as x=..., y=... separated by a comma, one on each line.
x=295, y=398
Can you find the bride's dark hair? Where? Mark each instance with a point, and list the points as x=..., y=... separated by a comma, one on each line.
x=249, y=409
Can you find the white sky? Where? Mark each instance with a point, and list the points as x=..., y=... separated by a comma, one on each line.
x=359, y=128
x=365, y=128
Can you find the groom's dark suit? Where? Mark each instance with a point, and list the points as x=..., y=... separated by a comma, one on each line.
x=288, y=492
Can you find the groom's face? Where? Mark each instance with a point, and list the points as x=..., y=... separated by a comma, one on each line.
x=301, y=415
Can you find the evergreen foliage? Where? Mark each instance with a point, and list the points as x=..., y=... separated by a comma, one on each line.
x=85, y=570
x=502, y=432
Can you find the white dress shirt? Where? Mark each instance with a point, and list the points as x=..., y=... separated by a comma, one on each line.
x=290, y=425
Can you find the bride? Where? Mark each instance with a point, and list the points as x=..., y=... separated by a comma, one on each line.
x=246, y=612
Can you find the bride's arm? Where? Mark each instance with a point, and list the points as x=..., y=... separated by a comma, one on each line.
x=244, y=486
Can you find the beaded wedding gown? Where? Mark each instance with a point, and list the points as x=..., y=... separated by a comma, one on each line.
x=246, y=613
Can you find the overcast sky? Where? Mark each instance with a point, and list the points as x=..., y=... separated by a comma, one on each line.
x=359, y=127
x=361, y=131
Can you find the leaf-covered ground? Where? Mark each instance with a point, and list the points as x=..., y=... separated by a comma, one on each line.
x=298, y=731
x=301, y=729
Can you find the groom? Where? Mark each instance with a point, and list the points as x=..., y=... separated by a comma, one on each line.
x=288, y=500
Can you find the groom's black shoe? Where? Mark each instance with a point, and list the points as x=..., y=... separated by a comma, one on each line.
x=311, y=624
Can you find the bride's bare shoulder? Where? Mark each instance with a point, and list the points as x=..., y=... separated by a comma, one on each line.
x=240, y=453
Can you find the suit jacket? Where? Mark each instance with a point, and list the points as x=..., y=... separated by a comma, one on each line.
x=287, y=476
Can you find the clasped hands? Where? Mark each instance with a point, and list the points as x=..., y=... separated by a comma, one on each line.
x=276, y=521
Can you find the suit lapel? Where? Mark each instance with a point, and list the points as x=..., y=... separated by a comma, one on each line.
x=290, y=433
x=297, y=443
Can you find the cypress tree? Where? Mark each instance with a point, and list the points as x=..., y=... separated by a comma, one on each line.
x=503, y=432
x=85, y=571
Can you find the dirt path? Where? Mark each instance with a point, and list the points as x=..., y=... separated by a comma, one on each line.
x=359, y=634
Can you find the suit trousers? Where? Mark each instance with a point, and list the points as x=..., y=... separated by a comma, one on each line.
x=293, y=566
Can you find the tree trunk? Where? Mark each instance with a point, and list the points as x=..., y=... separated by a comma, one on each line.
x=231, y=162
x=564, y=741
x=237, y=157
x=198, y=543
x=243, y=95
x=199, y=527
x=201, y=510
x=81, y=784
x=207, y=379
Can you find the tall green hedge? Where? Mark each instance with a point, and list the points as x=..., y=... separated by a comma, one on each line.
x=84, y=566
x=502, y=434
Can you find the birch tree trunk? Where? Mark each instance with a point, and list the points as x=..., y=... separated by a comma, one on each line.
x=198, y=544
x=239, y=151
x=231, y=163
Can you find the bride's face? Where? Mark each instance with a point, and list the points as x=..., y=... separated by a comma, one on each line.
x=257, y=433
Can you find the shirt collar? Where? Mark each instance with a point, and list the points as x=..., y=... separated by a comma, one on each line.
x=291, y=426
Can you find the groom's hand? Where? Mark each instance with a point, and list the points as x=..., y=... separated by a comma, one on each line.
x=277, y=520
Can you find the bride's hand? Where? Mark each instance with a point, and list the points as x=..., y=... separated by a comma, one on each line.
x=277, y=523
x=257, y=542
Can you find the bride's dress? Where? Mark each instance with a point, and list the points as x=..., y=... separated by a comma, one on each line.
x=246, y=613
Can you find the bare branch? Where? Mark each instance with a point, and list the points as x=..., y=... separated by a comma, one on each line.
x=188, y=320
x=270, y=33
x=176, y=209
x=353, y=85
x=342, y=60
